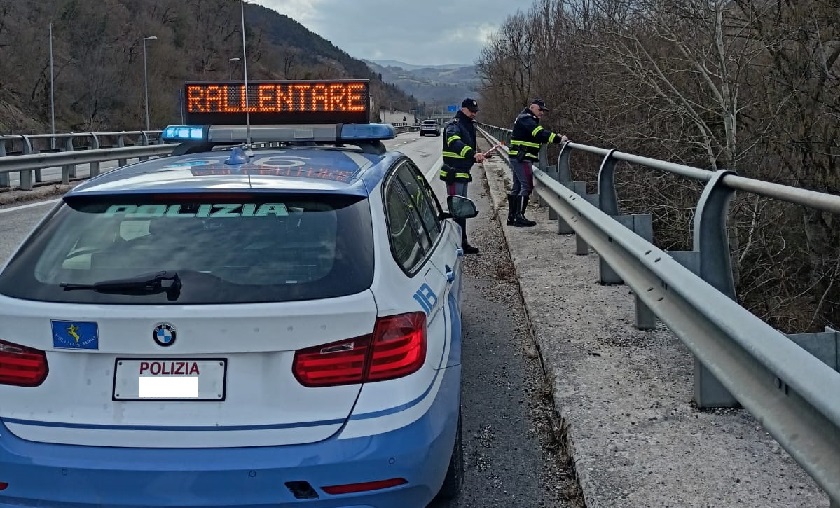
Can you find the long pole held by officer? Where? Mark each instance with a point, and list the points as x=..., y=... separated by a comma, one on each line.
x=459, y=155
x=525, y=141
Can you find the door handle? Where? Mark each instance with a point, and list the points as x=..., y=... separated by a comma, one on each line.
x=450, y=274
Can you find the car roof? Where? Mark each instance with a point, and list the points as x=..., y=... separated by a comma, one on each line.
x=288, y=169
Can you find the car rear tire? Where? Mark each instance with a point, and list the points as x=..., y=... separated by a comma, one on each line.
x=455, y=474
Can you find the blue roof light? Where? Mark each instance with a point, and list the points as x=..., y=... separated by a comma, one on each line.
x=237, y=157
x=367, y=131
x=184, y=133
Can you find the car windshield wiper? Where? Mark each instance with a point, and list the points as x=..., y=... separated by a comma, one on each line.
x=146, y=284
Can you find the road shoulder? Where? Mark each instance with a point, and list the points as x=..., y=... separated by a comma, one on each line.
x=625, y=395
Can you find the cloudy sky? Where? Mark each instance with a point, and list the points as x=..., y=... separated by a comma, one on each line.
x=413, y=31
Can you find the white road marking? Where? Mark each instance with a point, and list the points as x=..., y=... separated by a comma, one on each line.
x=435, y=168
x=29, y=205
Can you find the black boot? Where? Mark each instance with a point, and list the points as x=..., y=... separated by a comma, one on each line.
x=513, y=207
x=468, y=249
x=520, y=220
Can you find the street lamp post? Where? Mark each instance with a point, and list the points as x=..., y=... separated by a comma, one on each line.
x=145, y=76
x=232, y=65
x=52, y=91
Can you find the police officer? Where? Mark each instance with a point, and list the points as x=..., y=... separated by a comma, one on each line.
x=459, y=155
x=526, y=138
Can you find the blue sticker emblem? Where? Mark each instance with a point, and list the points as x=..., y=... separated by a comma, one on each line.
x=75, y=334
x=426, y=297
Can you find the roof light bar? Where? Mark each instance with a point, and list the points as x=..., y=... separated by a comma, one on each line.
x=316, y=133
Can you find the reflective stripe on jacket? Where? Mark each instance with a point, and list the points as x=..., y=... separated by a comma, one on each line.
x=527, y=136
x=458, y=149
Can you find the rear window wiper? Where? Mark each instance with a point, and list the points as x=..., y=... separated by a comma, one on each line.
x=146, y=284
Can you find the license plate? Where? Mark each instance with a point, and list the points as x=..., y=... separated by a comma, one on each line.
x=170, y=379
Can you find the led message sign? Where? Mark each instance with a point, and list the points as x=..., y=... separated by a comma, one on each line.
x=277, y=102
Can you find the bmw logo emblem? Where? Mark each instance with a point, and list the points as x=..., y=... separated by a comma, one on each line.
x=164, y=334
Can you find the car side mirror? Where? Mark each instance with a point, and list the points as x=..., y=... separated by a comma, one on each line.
x=461, y=207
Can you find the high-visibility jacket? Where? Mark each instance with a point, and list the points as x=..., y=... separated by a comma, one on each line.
x=527, y=136
x=458, y=149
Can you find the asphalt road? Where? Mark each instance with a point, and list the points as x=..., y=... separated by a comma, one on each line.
x=512, y=444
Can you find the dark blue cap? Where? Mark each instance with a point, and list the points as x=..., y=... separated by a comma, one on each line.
x=470, y=104
x=541, y=104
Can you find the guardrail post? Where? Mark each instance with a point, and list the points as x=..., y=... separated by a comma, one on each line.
x=68, y=171
x=579, y=188
x=26, y=180
x=26, y=176
x=824, y=345
x=645, y=317
x=608, y=203
x=641, y=224
x=543, y=165
x=144, y=140
x=4, y=177
x=94, y=166
x=710, y=235
x=121, y=143
x=551, y=170
x=711, y=243
x=564, y=176
x=608, y=199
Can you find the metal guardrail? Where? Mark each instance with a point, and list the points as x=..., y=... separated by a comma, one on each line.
x=789, y=383
x=26, y=164
x=14, y=146
x=29, y=154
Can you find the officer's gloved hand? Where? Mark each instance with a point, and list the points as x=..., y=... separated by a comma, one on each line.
x=560, y=140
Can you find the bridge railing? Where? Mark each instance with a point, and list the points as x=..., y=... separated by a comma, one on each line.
x=790, y=383
x=27, y=145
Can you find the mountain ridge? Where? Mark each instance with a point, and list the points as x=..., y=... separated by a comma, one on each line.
x=434, y=87
x=101, y=49
x=412, y=67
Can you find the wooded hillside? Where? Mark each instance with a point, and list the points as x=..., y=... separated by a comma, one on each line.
x=746, y=85
x=98, y=59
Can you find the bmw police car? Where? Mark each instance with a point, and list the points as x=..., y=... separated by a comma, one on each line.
x=268, y=317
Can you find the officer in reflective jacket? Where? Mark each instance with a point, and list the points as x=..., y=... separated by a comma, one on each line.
x=525, y=141
x=459, y=155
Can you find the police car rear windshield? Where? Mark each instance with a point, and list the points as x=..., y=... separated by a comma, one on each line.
x=224, y=248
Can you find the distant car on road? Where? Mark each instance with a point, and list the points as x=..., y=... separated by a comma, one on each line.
x=429, y=127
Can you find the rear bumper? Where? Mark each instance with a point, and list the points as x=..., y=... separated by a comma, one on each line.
x=61, y=476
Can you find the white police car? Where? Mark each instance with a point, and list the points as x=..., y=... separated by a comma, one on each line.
x=236, y=327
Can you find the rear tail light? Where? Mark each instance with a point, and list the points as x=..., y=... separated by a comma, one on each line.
x=339, y=363
x=396, y=348
x=364, y=487
x=21, y=365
